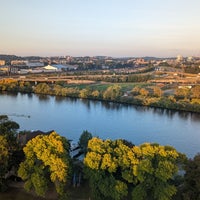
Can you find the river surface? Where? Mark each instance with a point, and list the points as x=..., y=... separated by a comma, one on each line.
x=70, y=117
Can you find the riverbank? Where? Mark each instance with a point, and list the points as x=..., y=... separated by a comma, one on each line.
x=141, y=94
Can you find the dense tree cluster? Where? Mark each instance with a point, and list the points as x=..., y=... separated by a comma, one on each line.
x=184, y=98
x=8, y=148
x=187, y=99
x=117, y=168
x=4, y=158
x=12, y=85
x=191, y=186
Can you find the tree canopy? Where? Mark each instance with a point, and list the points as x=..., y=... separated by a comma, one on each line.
x=83, y=141
x=4, y=157
x=112, y=92
x=191, y=189
x=46, y=161
x=118, y=168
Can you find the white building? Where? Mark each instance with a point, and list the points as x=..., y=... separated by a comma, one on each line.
x=50, y=68
x=179, y=58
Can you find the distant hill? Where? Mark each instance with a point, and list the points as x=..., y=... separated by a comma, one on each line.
x=33, y=57
x=9, y=57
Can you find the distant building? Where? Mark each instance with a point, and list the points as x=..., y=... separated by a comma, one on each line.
x=190, y=59
x=2, y=62
x=179, y=58
x=51, y=68
x=35, y=64
x=19, y=63
x=64, y=67
x=3, y=69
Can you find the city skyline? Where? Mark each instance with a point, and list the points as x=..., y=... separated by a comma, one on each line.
x=110, y=28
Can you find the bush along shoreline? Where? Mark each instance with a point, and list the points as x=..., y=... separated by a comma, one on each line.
x=182, y=99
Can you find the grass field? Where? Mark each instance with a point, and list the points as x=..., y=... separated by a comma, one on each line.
x=103, y=86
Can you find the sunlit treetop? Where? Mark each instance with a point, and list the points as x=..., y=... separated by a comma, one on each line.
x=47, y=158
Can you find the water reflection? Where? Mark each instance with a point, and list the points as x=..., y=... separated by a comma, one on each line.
x=70, y=116
x=60, y=99
x=111, y=105
x=86, y=103
x=14, y=94
x=195, y=117
x=43, y=98
x=72, y=99
x=170, y=113
x=30, y=95
x=140, y=108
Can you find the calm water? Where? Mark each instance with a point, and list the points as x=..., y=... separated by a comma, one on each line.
x=69, y=117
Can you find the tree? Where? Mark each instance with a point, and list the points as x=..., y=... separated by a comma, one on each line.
x=4, y=157
x=42, y=88
x=9, y=129
x=101, y=166
x=72, y=92
x=83, y=141
x=57, y=89
x=136, y=90
x=85, y=93
x=147, y=170
x=196, y=91
x=144, y=92
x=191, y=189
x=95, y=94
x=112, y=92
x=182, y=93
x=8, y=148
x=154, y=172
x=157, y=92
x=46, y=161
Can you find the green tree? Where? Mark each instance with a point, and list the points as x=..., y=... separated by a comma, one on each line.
x=24, y=86
x=72, y=92
x=46, y=161
x=85, y=93
x=155, y=171
x=95, y=94
x=4, y=158
x=42, y=88
x=83, y=141
x=112, y=93
x=9, y=129
x=182, y=93
x=101, y=165
x=147, y=170
x=57, y=90
x=191, y=189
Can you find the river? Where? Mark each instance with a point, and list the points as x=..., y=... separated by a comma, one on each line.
x=69, y=117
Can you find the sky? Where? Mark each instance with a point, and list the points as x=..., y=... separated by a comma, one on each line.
x=118, y=28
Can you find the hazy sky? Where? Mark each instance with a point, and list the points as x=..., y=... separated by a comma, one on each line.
x=100, y=27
